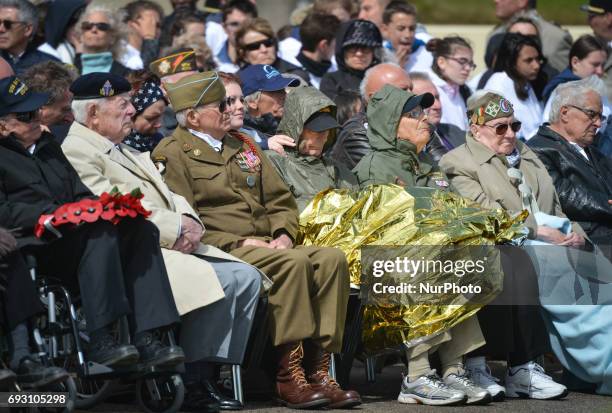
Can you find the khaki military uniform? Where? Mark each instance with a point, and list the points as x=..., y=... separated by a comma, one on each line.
x=239, y=195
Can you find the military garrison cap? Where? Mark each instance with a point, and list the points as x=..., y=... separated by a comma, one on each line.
x=196, y=90
x=488, y=107
x=183, y=60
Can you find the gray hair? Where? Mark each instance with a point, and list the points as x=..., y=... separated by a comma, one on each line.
x=181, y=117
x=118, y=29
x=81, y=107
x=253, y=97
x=366, y=78
x=573, y=93
x=27, y=11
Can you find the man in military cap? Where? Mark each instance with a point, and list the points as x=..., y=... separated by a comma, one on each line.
x=170, y=69
x=119, y=268
x=251, y=213
x=215, y=293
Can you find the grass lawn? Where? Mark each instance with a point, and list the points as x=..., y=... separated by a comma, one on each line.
x=564, y=12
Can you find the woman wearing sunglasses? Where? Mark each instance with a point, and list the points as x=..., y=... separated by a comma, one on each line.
x=257, y=44
x=102, y=44
x=518, y=75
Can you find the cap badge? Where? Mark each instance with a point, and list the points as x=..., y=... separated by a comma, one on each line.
x=505, y=105
x=164, y=67
x=492, y=109
x=17, y=87
x=107, y=90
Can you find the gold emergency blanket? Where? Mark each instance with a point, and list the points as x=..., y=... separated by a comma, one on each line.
x=389, y=215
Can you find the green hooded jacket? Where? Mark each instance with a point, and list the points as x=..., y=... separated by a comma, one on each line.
x=393, y=160
x=307, y=175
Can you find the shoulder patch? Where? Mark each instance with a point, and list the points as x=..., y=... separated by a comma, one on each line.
x=160, y=163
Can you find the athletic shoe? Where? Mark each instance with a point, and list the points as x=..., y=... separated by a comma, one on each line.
x=483, y=378
x=530, y=381
x=430, y=390
x=461, y=382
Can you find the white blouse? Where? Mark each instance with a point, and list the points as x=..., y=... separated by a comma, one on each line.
x=453, y=106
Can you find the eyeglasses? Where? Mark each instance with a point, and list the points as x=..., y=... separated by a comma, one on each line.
x=26, y=117
x=103, y=27
x=8, y=24
x=233, y=24
x=415, y=113
x=256, y=45
x=231, y=100
x=463, y=62
x=222, y=106
x=591, y=114
x=502, y=128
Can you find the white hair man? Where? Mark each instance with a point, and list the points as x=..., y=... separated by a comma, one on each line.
x=581, y=173
x=216, y=294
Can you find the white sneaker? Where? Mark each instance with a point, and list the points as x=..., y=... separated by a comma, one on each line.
x=530, y=381
x=430, y=390
x=482, y=377
x=474, y=393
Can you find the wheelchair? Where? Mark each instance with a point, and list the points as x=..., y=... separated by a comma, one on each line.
x=61, y=336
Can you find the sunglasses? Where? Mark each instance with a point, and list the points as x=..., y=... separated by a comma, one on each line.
x=103, y=27
x=26, y=117
x=502, y=128
x=8, y=24
x=254, y=46
x=231, y=100
x=222, y=106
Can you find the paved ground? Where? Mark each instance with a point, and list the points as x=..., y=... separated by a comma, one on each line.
x=380, y=397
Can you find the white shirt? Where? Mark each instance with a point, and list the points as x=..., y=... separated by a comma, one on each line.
x=289, y=48
x=528, y=111
x=419, y=61
x=453, y=106
x=215, y=37
x=580, y=149
x=131, y=58
x=216, y=144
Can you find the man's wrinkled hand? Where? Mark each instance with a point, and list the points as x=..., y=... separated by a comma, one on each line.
x=277, y=143
x=250, y=242
x=282, y=242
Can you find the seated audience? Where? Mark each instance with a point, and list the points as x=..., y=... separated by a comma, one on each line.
x=582, y=175
x=234, y=14
x=257, y=45
x=118, y=268
x=264, y=95
x=61, y=38
x=20, y=24
x=250, y=213
x=518, y=64
x=215, y=295
x=149, y=105
x=399, y=30
x=599, y=17
x=310, y=119
x=180, y=8
x=102, y=46
x=398, y=132
x=358, y=47
x=352, y=143
x=452, y=64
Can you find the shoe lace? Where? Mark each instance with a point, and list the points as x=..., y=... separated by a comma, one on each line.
x=323, y=369
x=539, y=371
x=485, y=372
x=465, y=380
x=435, y=381
x=295, y=366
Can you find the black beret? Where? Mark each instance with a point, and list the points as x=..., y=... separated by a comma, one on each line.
x=99, y=85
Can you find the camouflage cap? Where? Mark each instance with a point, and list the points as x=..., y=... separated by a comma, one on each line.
x=183, y=60
x=196, y=90
x=488, y=107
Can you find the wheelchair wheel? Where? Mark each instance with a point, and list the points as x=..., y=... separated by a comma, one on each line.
x=66, y=386
x=161, y=394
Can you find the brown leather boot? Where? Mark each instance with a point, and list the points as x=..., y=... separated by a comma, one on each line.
x=316, y=364
x=292, y=387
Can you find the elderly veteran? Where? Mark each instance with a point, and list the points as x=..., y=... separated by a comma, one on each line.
x=250, y=213
x=479, y=170
x=581, y=173
x=216, y=295
x=398, y=132
x=119, y=268
x=310, y=120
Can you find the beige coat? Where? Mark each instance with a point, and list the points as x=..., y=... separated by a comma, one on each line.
x=477, y=173
x=101, y=166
